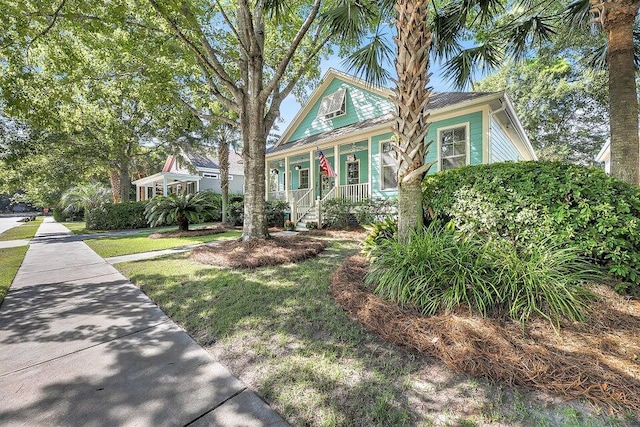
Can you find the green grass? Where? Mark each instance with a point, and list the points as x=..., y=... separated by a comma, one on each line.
x=10, y=261
x=23, y=231
x=281, y=332
x=125, y=245
x=79, y=227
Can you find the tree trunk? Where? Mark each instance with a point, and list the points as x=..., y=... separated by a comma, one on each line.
x=411, y=98
x=619, y=17
x=254, y=135
x=125, y=184
x=223, y=159
x=183, y=223
x=114, y=180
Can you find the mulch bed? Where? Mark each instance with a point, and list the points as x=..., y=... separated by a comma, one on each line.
x=357, y=234
x=190, y=233
x=598, y=360
x=277, y=250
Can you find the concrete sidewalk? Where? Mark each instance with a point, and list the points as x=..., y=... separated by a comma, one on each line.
x=81, y=345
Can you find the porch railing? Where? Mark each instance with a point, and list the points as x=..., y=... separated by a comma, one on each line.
x=276, y=195
x=353, y=192
x=303, y=202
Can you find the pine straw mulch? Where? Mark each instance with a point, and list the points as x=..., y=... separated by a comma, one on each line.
x=598, y=360
x=277, y=250
x=356, y=234
x=207, y=231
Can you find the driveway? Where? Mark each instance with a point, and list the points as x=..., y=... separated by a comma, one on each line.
x=7, y=222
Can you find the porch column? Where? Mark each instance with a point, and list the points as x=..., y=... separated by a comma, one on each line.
x=312, y=174
x=287, y=178
x=138, y=192
x=370, y=177
x=165, y=191
x=336, y=168
x=197, y=186
x=267, y=174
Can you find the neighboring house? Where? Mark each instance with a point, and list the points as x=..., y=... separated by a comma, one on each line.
x=604, y=156
x=200, y=173
x=351, y=122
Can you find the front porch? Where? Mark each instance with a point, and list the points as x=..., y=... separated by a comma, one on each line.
x=166, y=183
x=298, y=179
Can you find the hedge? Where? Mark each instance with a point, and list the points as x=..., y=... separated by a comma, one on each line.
x=117, y=216
x=527, y=202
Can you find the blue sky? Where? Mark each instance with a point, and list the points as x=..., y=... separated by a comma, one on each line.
x=290, y=106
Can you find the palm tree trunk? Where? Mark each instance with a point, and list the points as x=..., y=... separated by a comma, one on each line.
x=411, y=98
x=223, y=159
x=114, y=180
x=623, y=97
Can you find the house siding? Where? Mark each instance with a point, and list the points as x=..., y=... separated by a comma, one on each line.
x=236, y=185
x=361, y=105
x=474, y=120
x=502, y=148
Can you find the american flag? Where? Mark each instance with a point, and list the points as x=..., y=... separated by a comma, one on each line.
x=325, y=166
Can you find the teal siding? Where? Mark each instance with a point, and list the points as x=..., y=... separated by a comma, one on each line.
x=361, y=105
x=475, y=137
x=376, y=172
x=502, y=148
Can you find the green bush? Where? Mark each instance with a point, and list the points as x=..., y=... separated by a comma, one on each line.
x=274, y=210
x=522, y=202
x=438, y=269
x=337, y=212
x=181, y=209
x=213, y=212
x=60, y=215
x=117, y=216
x=369, y=211
x=379, y=233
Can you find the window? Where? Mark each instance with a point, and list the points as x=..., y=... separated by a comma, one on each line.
x=303, y=178
x=388, y=167
x=333, y=105
x=353, y=172
x=453, y=148
x=211, y=175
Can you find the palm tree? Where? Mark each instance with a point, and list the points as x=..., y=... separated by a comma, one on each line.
x=182, y=209
x=226, y=137
x=411, y=97
x=85, y=197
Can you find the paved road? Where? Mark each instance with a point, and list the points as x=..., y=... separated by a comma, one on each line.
x=8, y=222
x=81, y=345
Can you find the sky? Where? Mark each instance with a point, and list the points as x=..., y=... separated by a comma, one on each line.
x=290, y=107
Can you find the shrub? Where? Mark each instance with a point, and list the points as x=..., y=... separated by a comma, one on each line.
x=275, y=212
x=181, y=209
x=117, y=216
x=213, y=211
x=60, y=215
x=440, y=270
x=337, y=212
x=235, y=213
x=521, y=202
x=379, y=233
x=373, y=210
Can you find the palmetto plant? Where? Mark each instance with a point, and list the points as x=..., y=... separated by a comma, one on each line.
x=180, y=209
x=85, y=197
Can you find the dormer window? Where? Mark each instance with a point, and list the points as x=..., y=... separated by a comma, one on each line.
x=334, y=105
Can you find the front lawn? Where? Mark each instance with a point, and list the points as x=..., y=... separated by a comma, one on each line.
x=282, y=333
x=125, y=245
x=23, y=231
x=10, y=261
x=80, y=227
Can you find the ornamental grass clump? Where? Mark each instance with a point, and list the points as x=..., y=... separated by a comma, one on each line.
x=439, y=270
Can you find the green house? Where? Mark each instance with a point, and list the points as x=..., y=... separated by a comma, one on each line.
x=351, y=123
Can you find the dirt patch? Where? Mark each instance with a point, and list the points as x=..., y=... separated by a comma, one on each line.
x=259, y=253
x=356, y=234
x=190, y=233
x=598, y=360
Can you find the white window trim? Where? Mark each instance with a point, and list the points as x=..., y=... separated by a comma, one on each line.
x=300, y=180
x=381, y=154
x=466, y=125
x=346, y=170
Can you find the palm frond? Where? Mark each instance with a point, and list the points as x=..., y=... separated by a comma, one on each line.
x=350, y=20
x=370, y=61
x=535, y=30
x=276, y=8
x=461, y=68
x=577, y=13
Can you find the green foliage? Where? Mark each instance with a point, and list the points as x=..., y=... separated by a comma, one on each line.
x=527, y=201
x=84, y=197
x=369, y=211
x=117, y=216
x=213, y=213
x=337, y=212
x=436, y=269
x=181, y=209
x=274, y=210
x=61, y=216
x=379, y=233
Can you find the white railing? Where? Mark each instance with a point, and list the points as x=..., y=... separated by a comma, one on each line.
x=353, y=192
x=304, y=203
x=331, y=194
